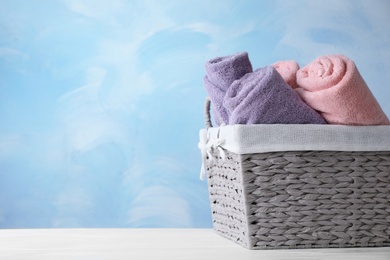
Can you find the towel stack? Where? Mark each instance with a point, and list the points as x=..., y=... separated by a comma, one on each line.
x=328, y=90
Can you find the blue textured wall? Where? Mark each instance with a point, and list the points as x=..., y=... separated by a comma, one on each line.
x=101, y=101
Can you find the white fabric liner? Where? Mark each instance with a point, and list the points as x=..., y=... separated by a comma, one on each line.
x=244, y=139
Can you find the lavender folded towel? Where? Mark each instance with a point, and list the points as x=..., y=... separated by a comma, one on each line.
x=263, y=97
x=220, y=74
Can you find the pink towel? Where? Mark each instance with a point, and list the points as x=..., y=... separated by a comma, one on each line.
x=288, y=69
x=333, y=86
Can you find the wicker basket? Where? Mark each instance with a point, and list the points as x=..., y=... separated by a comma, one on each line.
x=298, y=186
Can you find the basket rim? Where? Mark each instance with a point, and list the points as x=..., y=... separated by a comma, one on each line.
x=261, y=138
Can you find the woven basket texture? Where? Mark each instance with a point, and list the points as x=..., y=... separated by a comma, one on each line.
x=301, y=199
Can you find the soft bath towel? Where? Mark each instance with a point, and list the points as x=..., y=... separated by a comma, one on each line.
x=288, y=70
x=220, y=74
x=263, y=97
x=333, y=86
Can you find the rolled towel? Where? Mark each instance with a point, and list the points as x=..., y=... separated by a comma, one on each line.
x=288, y=70
x=333, y=86
x=263, y=97
x=220, y=74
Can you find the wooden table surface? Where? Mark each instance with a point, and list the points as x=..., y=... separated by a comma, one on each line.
x=154, y=244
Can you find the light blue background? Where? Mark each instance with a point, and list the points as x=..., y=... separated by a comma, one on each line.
x=101, y=101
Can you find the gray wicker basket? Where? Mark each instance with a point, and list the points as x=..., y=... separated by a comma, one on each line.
x=329, y=187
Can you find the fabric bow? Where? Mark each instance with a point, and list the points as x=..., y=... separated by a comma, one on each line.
x=206, y=145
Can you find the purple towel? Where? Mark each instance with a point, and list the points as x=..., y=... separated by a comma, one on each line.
x=220, y=74
x=263, y=97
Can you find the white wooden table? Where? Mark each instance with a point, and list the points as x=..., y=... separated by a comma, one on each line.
x=153, y=244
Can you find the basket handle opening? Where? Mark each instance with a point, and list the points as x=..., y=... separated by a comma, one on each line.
x=207, y=115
